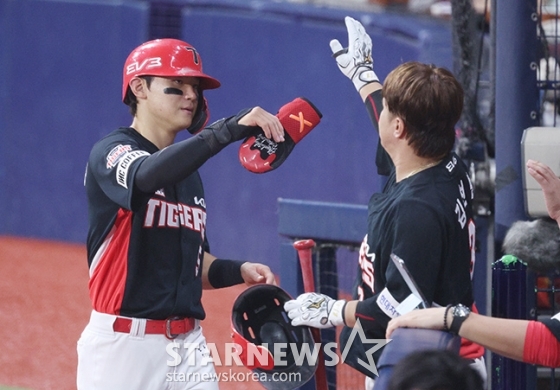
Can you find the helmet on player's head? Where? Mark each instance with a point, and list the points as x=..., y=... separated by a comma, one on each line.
x=259, y=322
x=167, y=58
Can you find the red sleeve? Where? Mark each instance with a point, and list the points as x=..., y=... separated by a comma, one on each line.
x=541, y=346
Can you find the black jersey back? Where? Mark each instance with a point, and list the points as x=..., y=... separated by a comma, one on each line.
x=135, y=268
x=427, y=220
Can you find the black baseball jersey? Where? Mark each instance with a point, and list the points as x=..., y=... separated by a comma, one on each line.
x=427, y=221
x=145, y=250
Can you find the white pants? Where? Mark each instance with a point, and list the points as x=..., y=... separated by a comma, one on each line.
x=109, y=360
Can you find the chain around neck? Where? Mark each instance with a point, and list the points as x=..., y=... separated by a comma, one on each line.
x=423, y=167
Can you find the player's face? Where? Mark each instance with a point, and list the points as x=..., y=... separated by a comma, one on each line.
x=172, y=101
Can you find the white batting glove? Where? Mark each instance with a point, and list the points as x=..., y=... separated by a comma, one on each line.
x=316, y=310
x=355, y=61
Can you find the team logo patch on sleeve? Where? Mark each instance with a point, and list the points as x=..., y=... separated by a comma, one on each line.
x=116, y=153
x=124, y=165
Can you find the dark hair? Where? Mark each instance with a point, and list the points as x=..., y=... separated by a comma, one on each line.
x=130, y=98
x=434, y=370
x=429, y=100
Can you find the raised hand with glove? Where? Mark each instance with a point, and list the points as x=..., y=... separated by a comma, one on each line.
x=316, y=310
x=355, y=61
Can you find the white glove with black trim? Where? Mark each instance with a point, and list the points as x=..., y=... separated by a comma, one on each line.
x=355, y=61
x=316, y=310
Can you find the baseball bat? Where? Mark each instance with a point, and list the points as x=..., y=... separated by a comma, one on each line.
x=305, y=253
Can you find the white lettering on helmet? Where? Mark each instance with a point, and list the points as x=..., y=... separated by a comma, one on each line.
x=148, y=63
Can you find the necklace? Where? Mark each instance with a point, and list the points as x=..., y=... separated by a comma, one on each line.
x=423, y=167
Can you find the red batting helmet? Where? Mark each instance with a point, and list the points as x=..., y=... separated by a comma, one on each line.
x=165, y=57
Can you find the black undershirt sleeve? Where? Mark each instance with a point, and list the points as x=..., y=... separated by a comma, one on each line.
x=374, y=105
x=176, y=162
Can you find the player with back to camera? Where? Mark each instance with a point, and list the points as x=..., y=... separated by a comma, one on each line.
x=424, y=213
x=534, y=342
x=148, y=253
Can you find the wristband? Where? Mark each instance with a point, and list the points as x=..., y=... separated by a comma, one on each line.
x=344, y=314
x=363, y=76
x=225, y=273
x=336, y=313
x=445, y=327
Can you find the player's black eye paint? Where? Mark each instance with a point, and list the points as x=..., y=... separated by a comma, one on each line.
x=173, y=91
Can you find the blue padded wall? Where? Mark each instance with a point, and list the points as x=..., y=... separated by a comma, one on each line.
x=267, y=54
x=61, y=62
x=60, y=65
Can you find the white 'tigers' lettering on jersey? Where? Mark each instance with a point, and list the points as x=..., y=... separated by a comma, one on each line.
x=160, y=213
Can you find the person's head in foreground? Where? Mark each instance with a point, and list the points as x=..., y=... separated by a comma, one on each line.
x=434, y=370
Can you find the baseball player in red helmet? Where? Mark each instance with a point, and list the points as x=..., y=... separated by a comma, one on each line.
x=148, y=253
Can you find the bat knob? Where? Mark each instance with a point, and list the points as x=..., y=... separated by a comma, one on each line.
x=304, y=244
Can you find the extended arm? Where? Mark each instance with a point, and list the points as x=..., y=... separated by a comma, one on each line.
x=219, y=273
x=356, y=63
x=522, y=340
x=180, y=160
x=503, y=336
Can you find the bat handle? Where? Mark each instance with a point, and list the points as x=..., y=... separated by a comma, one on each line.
x=304, y=244
x=305, y=253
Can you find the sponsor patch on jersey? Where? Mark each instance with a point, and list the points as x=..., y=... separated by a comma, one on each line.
x=556, y=317
x=200, y=202
x=116, y=153
x=124, y=164
x=388, y=304
x=160, y=192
